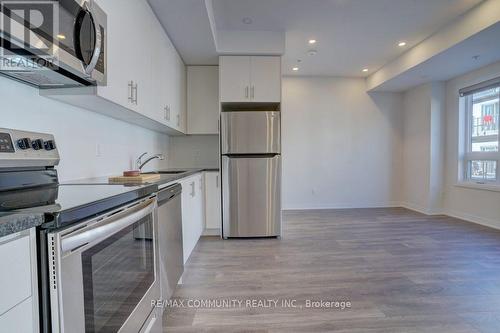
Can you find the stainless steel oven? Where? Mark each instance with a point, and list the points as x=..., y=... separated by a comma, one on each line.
x=69, y=48
x=103, y=271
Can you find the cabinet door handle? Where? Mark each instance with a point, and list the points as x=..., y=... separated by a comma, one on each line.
x=252, y=92
x=246, y=92
x=193, y=190
x=167, y=112
x=130, y=91
x=217, y=181
x=135, y=93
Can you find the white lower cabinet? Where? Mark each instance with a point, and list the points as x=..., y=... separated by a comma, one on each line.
x=201, y=208
x=192, y=212
x=213, y=219
x=18, y=319
x=18, y=287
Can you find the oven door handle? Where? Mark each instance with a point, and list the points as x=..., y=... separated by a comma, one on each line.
x=105, y=228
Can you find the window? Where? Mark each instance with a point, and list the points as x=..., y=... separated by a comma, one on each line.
x=481, y=154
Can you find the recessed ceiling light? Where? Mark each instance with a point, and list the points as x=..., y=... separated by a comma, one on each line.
x=365, y=69
x=312, y=52
x=401, y=44
x=61, y=36
x=312, y=41
x=295, y=69
x=247, y=20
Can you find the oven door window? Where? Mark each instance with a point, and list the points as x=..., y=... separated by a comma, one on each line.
x=117, y=273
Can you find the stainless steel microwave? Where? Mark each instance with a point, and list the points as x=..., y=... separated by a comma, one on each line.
x=53, y=44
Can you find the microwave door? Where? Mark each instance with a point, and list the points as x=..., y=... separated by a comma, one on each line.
x=250, y=132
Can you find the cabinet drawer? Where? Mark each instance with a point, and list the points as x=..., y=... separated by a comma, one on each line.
x=16, y=285
x=19, y=319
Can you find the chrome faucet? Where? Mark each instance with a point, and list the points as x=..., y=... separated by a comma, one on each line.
x=139, y=164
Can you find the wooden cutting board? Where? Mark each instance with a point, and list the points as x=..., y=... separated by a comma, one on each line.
x=143, y=178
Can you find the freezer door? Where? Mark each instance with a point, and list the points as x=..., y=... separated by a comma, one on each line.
x=250, y=132
x=251, y=196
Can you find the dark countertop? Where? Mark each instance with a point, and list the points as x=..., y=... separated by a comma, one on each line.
x=64, y=204
x=168, y=178
x=16, y=221
x=164, y=177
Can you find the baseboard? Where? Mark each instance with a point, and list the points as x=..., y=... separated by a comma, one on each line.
x=474, y=219
x=211, y=232
x=455, y=214
x=491, y=223
x=345, y=206
x=420, y=209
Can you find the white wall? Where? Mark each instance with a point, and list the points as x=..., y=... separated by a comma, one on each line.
x=341, y=146
x=77, y=132
x=194, y=151
x=437, y=148
x=479, y=206
x=416, y=147
x=423, y=148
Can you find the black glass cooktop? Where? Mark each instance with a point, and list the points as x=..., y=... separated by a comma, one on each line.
x=66, y=204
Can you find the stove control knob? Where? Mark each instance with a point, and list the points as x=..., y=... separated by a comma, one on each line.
x=24, y=143
x=49, y=145
x=37, y=144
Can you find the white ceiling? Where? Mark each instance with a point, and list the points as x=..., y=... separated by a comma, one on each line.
x=475, y=52
x=186, y=23
x=351, y=34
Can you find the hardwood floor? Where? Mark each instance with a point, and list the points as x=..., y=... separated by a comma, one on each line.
x=402, y=271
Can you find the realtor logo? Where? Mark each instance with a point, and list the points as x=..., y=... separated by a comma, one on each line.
x=27, y=30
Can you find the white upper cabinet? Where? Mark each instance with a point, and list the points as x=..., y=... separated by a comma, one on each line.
x=250, y=79
x=129, y=58
x=168, y=81
x=177, y=86
x=146, y=78
x=202, y=100
x=265, y=79
x=234, y=78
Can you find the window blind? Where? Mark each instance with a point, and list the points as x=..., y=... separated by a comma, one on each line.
x=493, y=83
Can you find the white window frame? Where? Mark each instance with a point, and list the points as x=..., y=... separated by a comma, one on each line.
x=469, y=155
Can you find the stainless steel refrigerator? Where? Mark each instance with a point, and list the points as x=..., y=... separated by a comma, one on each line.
x=251, y=173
